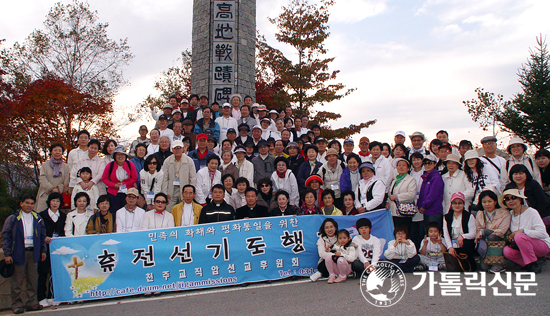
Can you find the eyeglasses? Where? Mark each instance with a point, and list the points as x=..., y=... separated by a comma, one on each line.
x=428, y=162
x=457, y=203
x=265, y=185
x=511, y=197
x=153, y=163
x=160, y=202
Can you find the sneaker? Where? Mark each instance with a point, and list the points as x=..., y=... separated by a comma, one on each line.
x=44, y=302
x=535, y=268
x=331, y=279
x=315, y=276
x=19, y=311
x=420, y=268
x=340, y=279
x=52, y=302
x=497, y=269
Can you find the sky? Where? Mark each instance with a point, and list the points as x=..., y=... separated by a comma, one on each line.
x=413, y=62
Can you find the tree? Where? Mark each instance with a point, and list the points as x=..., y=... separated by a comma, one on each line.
x=174, y=81
x=309, y=82
x=35, y=116
x=528, y=115
x=74, y=47
x=486, y=109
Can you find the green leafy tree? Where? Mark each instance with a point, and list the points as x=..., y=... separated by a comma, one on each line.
x=307, y=82
x=486, y=108
x=528, y=115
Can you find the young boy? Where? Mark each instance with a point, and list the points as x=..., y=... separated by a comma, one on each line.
x=24, y=237
x=368, y=248
x=402, y=251
x=432, y=249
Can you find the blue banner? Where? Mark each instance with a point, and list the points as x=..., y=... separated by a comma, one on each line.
x=201, y=256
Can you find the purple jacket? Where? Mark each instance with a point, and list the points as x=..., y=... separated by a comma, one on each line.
x=431, y=193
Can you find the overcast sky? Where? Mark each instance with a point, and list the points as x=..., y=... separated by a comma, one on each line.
x=413, y=62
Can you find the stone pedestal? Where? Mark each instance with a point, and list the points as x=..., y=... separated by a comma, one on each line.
x=224, y=35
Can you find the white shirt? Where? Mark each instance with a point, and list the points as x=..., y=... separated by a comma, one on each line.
x=127, y=221
x=53, y=216
x=151, y=149
x=383, y=170
x=226, y=123
x=27, y=228
x=187, y=216
x=75, y=155
x=167, y=132
x=153, y=220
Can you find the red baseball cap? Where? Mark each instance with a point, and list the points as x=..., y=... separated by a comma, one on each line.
x=202, y=136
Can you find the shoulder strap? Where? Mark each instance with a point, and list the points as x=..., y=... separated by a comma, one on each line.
x=111, y=166
x=494, y=165
x=152, y=185
x=508, y=165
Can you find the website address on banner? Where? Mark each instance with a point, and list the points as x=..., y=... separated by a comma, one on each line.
x=180, y=285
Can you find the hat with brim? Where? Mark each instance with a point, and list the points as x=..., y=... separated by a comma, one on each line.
x=265, y=119
x=6, y=270
x=226, y=105
x=397, y=160
x=188, y=122
x=514, y=192
x=488, y=139
x=369, y=165
x=262, y=143
x=453, y=158
x=514, y=141
x=471, y=154
x=132, y=191
x=240, y=150
x=429, y=158
x=273, y=112
x=313, y=178
x=255, y=105
x=177, y=143
x=257, y=127
x=119, y=150
x=400, y=133
x=331, y=151
x=415, y=134
x=168, y=106
x=292, y=144
x=202, y=136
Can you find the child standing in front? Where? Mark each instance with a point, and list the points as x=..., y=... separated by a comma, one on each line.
x=339, y=265
x=368, y=248
x=402, y=251
x=85, y=173
x=432, y=249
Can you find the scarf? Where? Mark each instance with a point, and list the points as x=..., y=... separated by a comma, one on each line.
x=398, y=179
x=364, y=155
x=281, y=174
x=267, y=197
x=157, y=212
x=202, y=155
x=56, y=166
x=103, y=219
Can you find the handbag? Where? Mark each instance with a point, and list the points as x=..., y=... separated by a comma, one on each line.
x=459, y=263
x=66, y=201
x=407, y=209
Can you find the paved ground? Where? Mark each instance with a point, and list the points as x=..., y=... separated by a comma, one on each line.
x=302, y=297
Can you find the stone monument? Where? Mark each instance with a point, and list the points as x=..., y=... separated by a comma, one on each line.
x=223, y=51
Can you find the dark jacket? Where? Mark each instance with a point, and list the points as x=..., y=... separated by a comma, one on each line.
x=536, y=198
x=257, y=211
x=14, y=239
x=51, y=226
x=263, y=168
x=305, y=171
x=197, y=160
x=295, y=163
x=215, y=127
x=290, y=210
x=213, y=213
x=431, y=193
x=239, y=141
x=161, y=156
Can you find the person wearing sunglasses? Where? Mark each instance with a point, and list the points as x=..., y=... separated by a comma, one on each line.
x=529, y=239
x=430, y=198
x=151, y=178
x=158, y=218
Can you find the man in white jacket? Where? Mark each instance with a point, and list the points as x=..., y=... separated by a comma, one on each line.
x=129, y=218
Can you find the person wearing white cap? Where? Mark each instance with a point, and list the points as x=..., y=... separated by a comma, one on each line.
x=226, y=121
x=517, y=148
x=479, y=174
x=246, y=168
x=529, y=239
x=266, y=127
x=455, y=181
x=235, y=100
x=331, y=172
x=179, y=170
x=399, y=137
x=371, y=191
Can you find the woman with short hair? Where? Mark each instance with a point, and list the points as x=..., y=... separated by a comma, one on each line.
x=54, y=176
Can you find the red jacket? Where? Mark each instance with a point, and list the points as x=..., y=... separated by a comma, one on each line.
x=110, y=179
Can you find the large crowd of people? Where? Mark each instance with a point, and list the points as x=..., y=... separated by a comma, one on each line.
x=205, y=163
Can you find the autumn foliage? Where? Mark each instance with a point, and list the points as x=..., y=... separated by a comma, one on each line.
x=35, y=116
